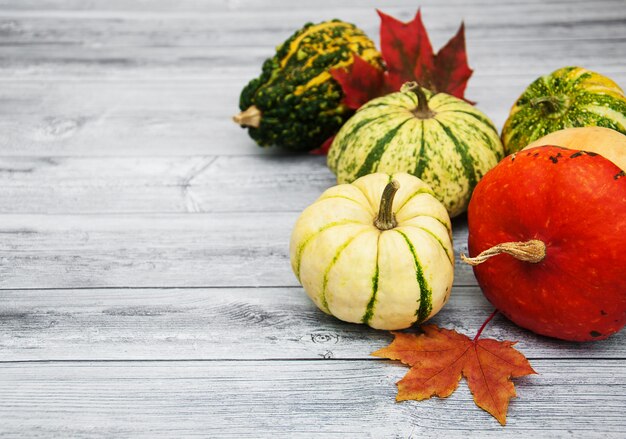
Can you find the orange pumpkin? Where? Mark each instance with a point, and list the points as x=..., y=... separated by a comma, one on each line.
x=604, y=141
x=547, y=232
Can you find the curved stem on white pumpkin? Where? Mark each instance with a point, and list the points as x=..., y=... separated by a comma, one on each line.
x=249, y=118
x=422, y=111
x=532, y=251
x=385, y=219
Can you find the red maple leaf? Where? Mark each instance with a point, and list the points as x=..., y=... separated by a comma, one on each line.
x=439, y=357
x=453, y=72
x=364, y=81
x=323, y=150
x=407, y=51
x=408, y=56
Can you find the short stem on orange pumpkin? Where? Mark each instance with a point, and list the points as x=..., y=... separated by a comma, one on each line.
x=533, y=251
x=480, y=331
x=249, y=118
x=422, y=111
x=385, y=219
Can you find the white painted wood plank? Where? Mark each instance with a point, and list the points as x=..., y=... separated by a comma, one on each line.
x=164, y=117
x=295, y=399
x=116, y=80
x=207, y=6
x=271, y=22
x=498, y=57
x=228, y=324
x=163, y=250
x=109, y=185
x=130, y=118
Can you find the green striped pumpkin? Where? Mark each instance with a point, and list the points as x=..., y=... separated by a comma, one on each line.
x=377, y=251
x=568, y=97
x=441, y=139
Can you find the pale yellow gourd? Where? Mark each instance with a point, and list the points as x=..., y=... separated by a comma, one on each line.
x=377, y=251
x=608, y=143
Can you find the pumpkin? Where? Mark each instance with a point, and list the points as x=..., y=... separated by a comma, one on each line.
x=568, y=97
x=438, y=138
x=604, y=141
x=547, y=233
x=295, y=103
x=377, y=251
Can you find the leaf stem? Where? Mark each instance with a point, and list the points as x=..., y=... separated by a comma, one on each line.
x=480, y=331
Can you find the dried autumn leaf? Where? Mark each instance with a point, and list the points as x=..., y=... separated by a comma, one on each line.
x=323, y=150
x=439, y=357
x=406, y=50
x=408, y=56
x=453, y=72
x=361, y=83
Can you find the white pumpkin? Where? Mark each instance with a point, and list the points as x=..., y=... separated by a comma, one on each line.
x=377, y=251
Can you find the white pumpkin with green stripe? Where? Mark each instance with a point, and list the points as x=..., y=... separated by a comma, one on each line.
x=377, y=251
x=441, y=139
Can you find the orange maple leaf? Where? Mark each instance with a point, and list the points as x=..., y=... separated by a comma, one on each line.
x=440, y=356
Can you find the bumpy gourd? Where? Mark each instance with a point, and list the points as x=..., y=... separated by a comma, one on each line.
x=568, y=97
x=441, y=139
x=295, y=103
x=377, y=251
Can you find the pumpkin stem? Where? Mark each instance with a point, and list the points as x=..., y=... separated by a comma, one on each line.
x=249, y=118
x=533, y=251
x=385, y=219
x=550, y=104
x=421, y=111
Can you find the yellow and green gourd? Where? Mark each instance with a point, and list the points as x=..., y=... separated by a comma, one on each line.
x=295, y=103
x=439, y=138
x=566, y=98
x=377, y=251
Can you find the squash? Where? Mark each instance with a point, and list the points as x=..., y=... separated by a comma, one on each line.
x=547, y=233
x=604, y=141
x=438, y=138
x=377, y=251
x=568, y=97
x=295, y=103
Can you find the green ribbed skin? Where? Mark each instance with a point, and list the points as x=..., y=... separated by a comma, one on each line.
x=566, y=98
x=300, y=102
x=451, y=148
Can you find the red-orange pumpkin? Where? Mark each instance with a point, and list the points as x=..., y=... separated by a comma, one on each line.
x=559, y=217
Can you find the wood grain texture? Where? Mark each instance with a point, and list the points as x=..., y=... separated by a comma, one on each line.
x=252, y=399
x=493, y=58
x=158, y=117
x=229, y=323
x=145, y=287
x=167, y=250
x=205, y=6
x=121, y=41
x=54, y=185
x=213, y=25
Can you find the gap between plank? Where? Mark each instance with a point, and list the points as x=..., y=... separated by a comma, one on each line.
x=270, y=360
x=192, y=287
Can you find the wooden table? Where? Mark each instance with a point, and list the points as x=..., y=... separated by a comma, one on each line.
x=146, y=286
